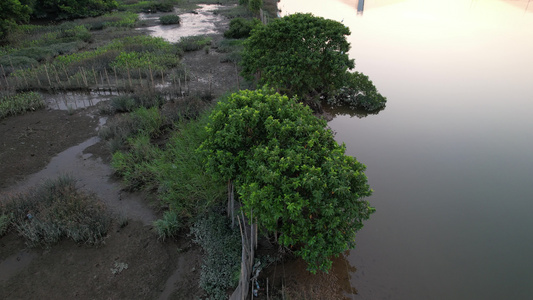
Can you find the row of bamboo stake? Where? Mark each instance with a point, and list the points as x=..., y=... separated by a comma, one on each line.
x=87, y=79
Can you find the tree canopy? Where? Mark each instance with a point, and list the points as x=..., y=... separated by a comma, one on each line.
x=299, y=54
x=11, y=13
x=290, y=172
x=71, y=9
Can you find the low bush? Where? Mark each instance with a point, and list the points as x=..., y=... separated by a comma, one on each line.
x=37, y=53
x=169, y=19
x=19, y=103
x=240, y=28
x=55, y=210
x=135, y=166
x=193, y=43
x=168, y=226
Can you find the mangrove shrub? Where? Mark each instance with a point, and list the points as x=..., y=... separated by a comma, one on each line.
x=289, y=172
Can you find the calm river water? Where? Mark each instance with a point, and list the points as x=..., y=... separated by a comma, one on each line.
x=451, y=157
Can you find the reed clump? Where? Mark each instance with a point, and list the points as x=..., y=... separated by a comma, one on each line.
x=15, y=104
x=169, y=19
x=55, y=210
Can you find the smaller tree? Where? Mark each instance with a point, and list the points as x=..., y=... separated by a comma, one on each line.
x=299, y=54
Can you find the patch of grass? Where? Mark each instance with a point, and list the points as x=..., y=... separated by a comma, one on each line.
x=233, y=49
x=169, y=19
x=238, y=11
x=124, y=127
x=19, y=103
x=168, y=226
x=183, y=182
x=55, y=210
x=148, y=6
x=193, y=43
x=11, y=62
x=136, y=165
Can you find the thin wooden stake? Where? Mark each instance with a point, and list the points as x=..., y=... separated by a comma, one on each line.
x=116, y=78
x=107, y=76
x=94, y=75
x=24, y=77
x=36, y=75
x=5, y=77
x=66, y=74
x=140, y=78
x=47, y=76
x=56, y=75
x=129, y=75
x=151, y=75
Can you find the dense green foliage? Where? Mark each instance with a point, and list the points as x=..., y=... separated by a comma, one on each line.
x=11, y=13
x=299, y=54
x=55, y=210
x=290, y=172
x=148, y=6
x=240, y=28
x=169, y=19
x=307, y=56
x=71, y=9
x=359, y=92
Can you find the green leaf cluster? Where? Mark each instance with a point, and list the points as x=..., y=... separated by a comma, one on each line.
x=299, y=54
x=290, y=172
x=11, y=13
x=359, y=93
x=71, y=9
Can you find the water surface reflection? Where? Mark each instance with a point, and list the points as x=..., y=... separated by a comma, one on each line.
x=450, y=158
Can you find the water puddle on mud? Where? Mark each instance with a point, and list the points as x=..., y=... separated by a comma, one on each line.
x=202, y=21
x=93, y=176
x=73, y=101
x=15, y=263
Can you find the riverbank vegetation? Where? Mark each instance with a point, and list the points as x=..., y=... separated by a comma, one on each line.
x=305, y=193
x=15, y=104
x=53, y=211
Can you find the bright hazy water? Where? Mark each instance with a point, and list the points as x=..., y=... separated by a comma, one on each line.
x=451, y=157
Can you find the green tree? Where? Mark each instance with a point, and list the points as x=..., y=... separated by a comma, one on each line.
x=299, y=54
x=290, y=172
x=11, y=13
x=71, y=9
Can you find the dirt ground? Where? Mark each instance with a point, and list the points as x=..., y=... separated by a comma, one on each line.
x=155, y=269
